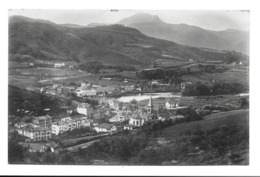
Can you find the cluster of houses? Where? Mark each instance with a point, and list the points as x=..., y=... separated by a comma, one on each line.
x=85, y=89
x=42, y=128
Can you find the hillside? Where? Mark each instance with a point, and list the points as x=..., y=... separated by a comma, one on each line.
x=189, y=35
x=216, y=120
x=115, y=44
x=215, y=140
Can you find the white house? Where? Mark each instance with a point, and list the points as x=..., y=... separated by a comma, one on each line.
x=154, y=82
x=114, y=104
x=117, y=118
x=129, y=127
x=105, y=127
x=138, y=119
x=171, y=104
x=35, y=133
x=20, y=125
x=58, y=65
x=85, y=108
x=81, y=92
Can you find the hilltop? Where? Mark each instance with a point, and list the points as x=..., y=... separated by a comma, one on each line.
x=153, y=26
x=114, y=44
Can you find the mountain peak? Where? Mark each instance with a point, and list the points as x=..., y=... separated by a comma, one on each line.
x=140, y=18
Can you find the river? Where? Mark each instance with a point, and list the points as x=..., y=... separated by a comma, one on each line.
x=145, y=96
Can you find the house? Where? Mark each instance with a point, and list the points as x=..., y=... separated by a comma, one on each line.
x=129, y=127
x=59, y=127
x=138, y=119
x=58, y=65
x=54, y=147
x=63, y=117
x=63, y=126
x=117, y=118
x=105, y=128
x=43, y=121
x=171, y=104
x=71, y=123
x=81, y=120
x=85, y=85
x=81, y=93
x=20, y=124
x=35, y=133
x=129, y=88
x=154, y=82
x=115, y=104
x=34, y=147
x=85, y=108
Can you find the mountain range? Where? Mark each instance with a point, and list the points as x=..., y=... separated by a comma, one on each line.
x=34, y=39
x=152, y=25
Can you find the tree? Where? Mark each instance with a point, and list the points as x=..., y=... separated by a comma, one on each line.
x=243, y=102
x=133, y=101
x=15, y=151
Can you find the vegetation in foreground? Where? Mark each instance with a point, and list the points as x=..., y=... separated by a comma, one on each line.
x=213, y=141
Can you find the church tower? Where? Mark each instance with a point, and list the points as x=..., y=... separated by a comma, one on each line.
x=149, y=107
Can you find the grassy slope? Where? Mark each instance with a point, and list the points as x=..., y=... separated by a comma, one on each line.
x=221, y=139
x=222, y=119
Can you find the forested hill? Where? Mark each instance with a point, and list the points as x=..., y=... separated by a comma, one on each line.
x=118, y=45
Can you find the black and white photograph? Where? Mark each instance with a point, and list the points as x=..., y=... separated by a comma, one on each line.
x=155, y=90
x=128, y=87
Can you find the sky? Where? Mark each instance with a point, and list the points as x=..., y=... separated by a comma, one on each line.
x=213, y=20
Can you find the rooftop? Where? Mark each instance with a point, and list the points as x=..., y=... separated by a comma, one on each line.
x=62, y=115
x=43, y=117
x=52, y=145
x=84, y=105
x=34, y=129
x=105, y=125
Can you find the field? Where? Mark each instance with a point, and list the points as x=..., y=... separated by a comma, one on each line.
x=212, y=121
x=234, y=75
x=199, y=101
x=50, y=72
x=196, y=102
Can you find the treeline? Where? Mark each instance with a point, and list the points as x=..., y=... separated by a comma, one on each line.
x=94, y=67
x=217, y=88
x=166, y=74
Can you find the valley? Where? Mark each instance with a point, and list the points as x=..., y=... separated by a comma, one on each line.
x=126, y=94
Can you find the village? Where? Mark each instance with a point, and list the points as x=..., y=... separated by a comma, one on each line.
x=114, y=94
x=95, y=111
x=109, y=116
